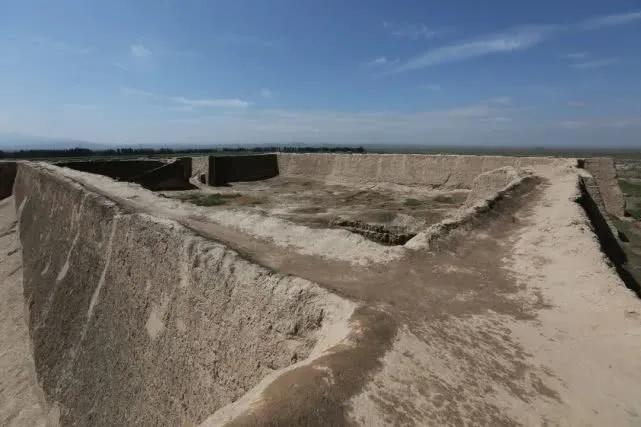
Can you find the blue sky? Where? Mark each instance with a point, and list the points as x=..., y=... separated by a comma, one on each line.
x=412, y=72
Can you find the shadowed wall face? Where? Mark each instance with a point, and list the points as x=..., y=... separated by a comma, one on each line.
x=124, y=170
x=225, y=169
x=7, y=177
x=152, y=174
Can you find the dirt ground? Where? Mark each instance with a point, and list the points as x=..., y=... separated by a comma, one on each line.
x=316, y=204
x=21, y=399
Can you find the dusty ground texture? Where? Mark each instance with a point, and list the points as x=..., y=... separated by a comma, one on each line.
x=319, y=205
x=22, y=402
x=515, y=319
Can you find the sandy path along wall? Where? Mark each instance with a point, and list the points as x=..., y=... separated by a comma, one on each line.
x=437, y=171
x=21, y=399
x=136, y=320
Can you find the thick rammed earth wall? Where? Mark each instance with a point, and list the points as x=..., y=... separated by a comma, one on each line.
x=136, y=320
x=437, y=171
x=604, y=172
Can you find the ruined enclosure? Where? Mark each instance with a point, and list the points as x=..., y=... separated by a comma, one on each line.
x=316, y=290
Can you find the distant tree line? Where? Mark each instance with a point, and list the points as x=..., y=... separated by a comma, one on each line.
x=85, y=152
x=294, y=149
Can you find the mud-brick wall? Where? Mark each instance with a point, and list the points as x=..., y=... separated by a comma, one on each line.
x=437, y=171
x=224, y=169
x=139, y=321
x=7, y=177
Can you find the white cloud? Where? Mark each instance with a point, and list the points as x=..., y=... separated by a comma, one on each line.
x=599, y=63
x=574, y=124
x=266, y=93
x=247, y=40
x=59, y=46
x=513, y=40
x=611, y=20
x=79, y=107
x=120, y=66
x=497, y=119
x=181, y=103
x=217, y=103
x=139, y=51
x=605, y=122
x=576, y=55
x=128, y=91
x=576, y=104
x=509, y=41
x=431, y=87
x=381, y=61
x=500, y=100
x=411, y=31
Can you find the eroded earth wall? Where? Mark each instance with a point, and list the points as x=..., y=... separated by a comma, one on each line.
x=136, y=320
x=436, y=171
x=604, y=172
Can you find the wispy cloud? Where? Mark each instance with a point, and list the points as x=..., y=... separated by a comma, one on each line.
x=217, y=103
x=128, y=91
x=120, y=66
x=597, y=63
x=381, y=61
x=481, y=120
x=576, y=55
x=266, y=93
x=182, y=103
x=611, y=20
x=431, y=87
x=500, y=100
x=56, y=45
x=139, y=51
x=574, y=124
x=412, y=31
x=594, y=123
x=79, y=107
x=516, y=39
x=244, y=39
x=576, y=104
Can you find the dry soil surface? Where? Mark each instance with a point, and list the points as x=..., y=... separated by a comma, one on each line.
x=21, y=399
